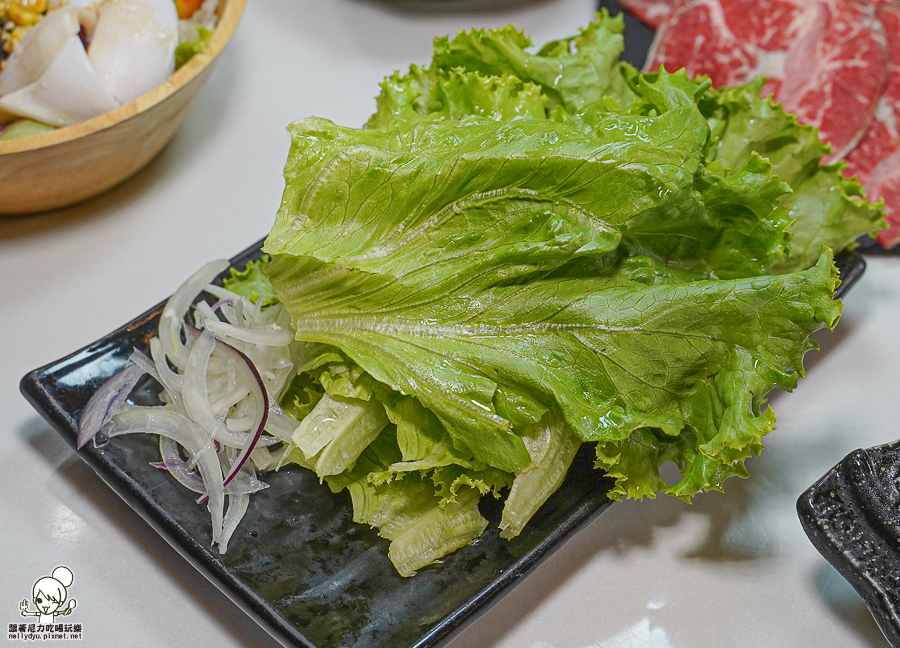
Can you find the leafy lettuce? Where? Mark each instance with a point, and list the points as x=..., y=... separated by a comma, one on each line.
x=525, y=252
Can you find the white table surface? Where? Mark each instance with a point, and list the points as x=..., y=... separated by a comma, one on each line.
x=732, y=570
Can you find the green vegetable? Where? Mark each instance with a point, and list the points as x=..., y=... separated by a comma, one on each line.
x=552, y=447
x=189, y=49
x=252, y=282
x=525, y=252
x=336, y=432
x=23, y=128
x=408, y=511
x=826, y=208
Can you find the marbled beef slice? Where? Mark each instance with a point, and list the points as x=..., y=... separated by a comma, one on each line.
x=825, y=60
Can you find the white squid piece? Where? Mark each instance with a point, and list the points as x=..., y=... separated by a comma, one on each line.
x=69, y=91
x=38, y=50
x=53, y=79
x=133, y=46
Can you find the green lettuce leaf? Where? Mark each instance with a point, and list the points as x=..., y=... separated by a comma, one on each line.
x=452, y=480
x=552, y=447
x=301, y=396
x=333, y=435
x=189, y=49
x=686, y=358
x=252, y=282
x=407, y=510
x=572, y=72
x=523, y=252
x=582, y=81
x=425, y=94
x=826, y=208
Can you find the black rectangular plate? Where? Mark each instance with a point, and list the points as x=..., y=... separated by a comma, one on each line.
x=298, y=564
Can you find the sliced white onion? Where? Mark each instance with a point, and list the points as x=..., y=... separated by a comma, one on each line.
x=281, y=425
x=195, y=390
x=179, y=469
x=221, y=293
x=204, y=313
x=237, y=508
x=258, y=392
x=165, y=422
x=277, y=338
x=170, y=380
x=140, y=359
x=170, y=322
x=222, y=302
x=218, y=396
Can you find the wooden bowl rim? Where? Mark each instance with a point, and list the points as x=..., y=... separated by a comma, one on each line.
x=229, y=17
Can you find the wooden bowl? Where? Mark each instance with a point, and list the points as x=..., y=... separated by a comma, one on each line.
x=71, y=164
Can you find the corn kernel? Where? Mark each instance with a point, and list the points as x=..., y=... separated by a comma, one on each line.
x=22, y=16
x=34, y=6
x=18, y=34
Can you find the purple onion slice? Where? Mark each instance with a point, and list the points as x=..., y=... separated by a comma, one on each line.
x=105, y=402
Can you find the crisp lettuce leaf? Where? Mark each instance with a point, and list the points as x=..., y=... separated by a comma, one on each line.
x=552, y=447
x=301, y=396
x=447, y=259
x=424, y=443
x=407, y=510
x=689, y=359
x=429, y=94
x=826, y=208
x=572, y=73
x=452, y=480
x=252, y=282
x=189, y=49
x=523, y=252
x=333, y=435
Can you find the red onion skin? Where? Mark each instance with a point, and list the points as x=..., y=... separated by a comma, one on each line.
x=123, y=382
x=220, y=303
x=242, y=458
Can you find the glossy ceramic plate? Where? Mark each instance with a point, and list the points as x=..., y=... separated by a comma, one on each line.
x=298, y=564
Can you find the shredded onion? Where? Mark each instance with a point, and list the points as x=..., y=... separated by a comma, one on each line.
x=237, y=508
x=165, y=422
x=140, y=359
x=176, y=308
x=258, y=390
x=222, y=302
x=215, y=394
x=278, y=337
x=179, y=469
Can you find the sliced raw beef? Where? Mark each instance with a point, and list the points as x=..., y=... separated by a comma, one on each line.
x=825, y=60
x=649, y=12
x=885, y=183
x=876, y=159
